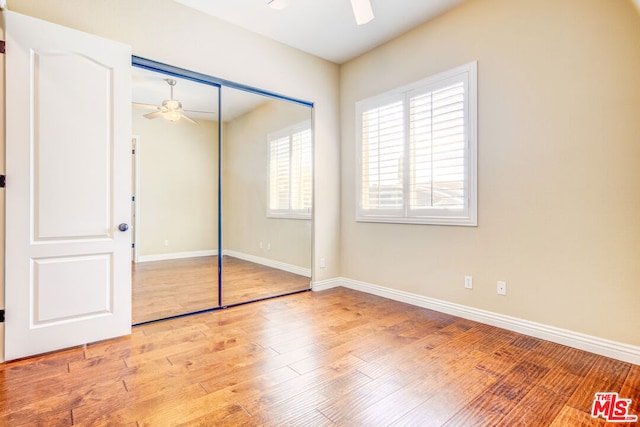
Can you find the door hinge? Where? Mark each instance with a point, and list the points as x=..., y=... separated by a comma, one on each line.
x=3, y=181
x=2, y=46
x=1, y=316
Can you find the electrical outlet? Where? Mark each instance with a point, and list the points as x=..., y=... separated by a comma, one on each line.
x=323, y=263
x=502, y=288
x=260, y=245
x=468, y=282
x=166, y=243
x=268, y=246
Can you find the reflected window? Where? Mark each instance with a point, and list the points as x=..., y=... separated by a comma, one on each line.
x=290, y=172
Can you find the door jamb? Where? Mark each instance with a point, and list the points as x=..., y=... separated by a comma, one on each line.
x=135, y=221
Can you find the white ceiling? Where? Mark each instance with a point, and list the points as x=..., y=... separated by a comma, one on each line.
x=325, y=28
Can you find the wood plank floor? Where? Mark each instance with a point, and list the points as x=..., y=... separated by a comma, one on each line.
x=331, y=358
x=170, y=288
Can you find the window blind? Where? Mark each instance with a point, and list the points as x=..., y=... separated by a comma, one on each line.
x=382, y=157
x=301, y=171
x=291, y=171
x=437, y=147
x=417, y=151
x=279, y=171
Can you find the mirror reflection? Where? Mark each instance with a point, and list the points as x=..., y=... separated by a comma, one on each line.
x=175, y=127
x=266, y=196
x=256, y=157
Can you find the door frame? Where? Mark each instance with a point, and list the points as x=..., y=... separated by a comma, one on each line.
x=135, y=174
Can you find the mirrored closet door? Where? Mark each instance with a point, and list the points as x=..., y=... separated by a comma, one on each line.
x=175, y=131
x=222, y=193
x=267, y=187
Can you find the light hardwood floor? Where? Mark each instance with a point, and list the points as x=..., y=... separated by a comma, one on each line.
x=170, y=288
x=336, y=357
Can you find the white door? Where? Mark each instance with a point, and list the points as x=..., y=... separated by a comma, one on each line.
x=68, y=268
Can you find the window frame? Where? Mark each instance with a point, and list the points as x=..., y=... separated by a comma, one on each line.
x=289, y=131
x=429, y=216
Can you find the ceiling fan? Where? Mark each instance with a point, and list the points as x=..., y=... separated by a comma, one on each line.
x=361, y=9
x=170, y=109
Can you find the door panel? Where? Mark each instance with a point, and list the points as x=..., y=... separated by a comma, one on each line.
x=83, y=281
x=72, y=148
x=68, y=271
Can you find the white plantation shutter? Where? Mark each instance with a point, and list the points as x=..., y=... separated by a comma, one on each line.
x=290, y=172
x=437, y=145
x=301, y=176
x=417, y=156
x=280, y=161
x=382, y=154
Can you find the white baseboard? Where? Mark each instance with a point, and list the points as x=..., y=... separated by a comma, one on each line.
x=269, y=263
x=603, y=347
x=323, y=285
x=177, y=255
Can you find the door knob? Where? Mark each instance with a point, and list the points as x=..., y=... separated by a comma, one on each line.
x=123, y=227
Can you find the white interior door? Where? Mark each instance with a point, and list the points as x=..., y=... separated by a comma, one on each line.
x=68, y=266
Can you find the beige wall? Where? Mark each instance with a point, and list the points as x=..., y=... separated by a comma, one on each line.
x=244, y=192
x=558, y=144
x=178, y=185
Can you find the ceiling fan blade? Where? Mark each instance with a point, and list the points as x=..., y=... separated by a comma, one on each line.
x=147, y=106
x=278, y=4
x=189, y=119
x=153, y=115
x=362, y=11
x=198, y=111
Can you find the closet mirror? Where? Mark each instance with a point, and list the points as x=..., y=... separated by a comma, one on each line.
x=223, y=191
x=267, y=188
x=175, y=203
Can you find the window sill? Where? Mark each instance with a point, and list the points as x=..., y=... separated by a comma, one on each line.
x=289, y=216
x=455, y=221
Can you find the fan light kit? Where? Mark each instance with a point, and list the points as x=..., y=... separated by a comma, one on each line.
x=170, y=109
x=362, y=9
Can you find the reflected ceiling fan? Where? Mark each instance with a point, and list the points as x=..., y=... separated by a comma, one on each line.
x=170, y=109
x=361, y=9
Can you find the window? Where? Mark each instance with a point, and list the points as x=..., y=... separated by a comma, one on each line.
x=417, y=152
x=290, y=172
